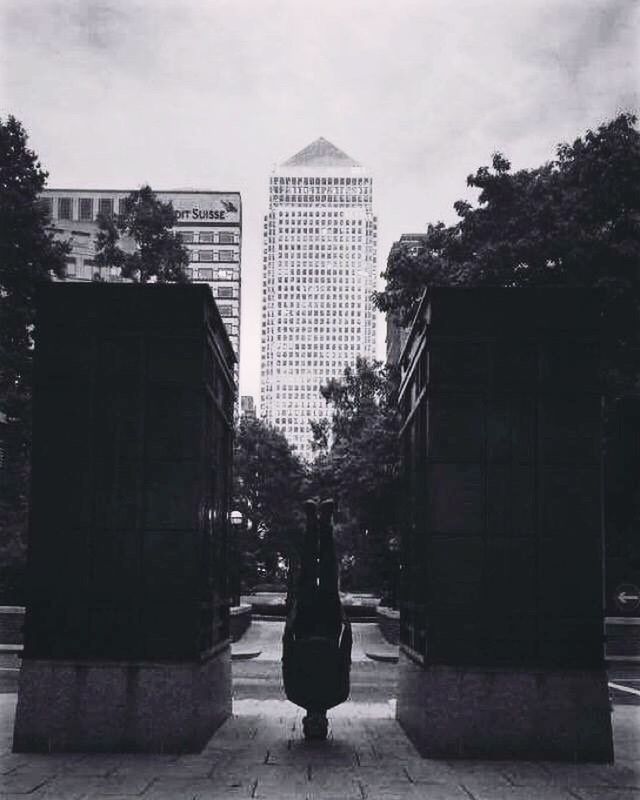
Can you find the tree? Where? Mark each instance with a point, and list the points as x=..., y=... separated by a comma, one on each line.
x=140, y=241
x=358, y=464
x=574, y=221
x=268, y=485
x=29, y=256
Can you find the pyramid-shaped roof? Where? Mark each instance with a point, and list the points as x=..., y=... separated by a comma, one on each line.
x=320, y=153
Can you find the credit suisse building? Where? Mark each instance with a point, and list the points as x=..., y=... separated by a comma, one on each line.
x=209, y=224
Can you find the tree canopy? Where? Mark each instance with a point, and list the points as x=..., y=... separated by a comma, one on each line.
x=29, y=256
x=357, y=463
x=268, y=492
x=574, y=221
x=140, y=241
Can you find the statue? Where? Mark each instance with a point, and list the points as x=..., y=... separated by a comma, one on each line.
x=316, y=645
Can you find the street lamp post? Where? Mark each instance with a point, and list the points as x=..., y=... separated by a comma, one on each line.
x=393, y=546
x=236, y=519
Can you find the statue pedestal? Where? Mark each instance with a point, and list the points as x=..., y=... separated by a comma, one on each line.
x=537, y=714
x=128, y=707
x=501, y=617
x=127, y=645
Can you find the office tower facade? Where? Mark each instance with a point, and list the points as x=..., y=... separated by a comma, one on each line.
x=320, y=244
x=409, y=244
x=247, y=406
x=209, y=224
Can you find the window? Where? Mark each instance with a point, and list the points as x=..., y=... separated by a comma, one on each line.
x=226, y=255
x=225, y=291
x=122, y=205
x=86, y=209
x=225, y=310
x=64, y=207
x=206, y=255
x=105, y=206
x=225, y=238
x=205, y=274
x=206, y=237
x=186, y=236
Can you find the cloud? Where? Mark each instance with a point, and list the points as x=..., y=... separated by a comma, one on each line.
x=211, y=93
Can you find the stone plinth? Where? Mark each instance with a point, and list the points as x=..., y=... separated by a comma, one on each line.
x=127, y=622
x=502, y=610
x=524, y=714
x=76, y=706
x=240, y=618
x=389, y=623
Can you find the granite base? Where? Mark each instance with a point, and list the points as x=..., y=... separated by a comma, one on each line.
x=537, y=714
x=159, y=707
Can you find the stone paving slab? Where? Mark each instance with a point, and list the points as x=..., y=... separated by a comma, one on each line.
x=261, y=753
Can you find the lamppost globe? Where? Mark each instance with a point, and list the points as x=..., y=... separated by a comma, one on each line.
x=236, y=520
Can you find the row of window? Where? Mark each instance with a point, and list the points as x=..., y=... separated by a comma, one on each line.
x=200, y=274
x=328, y=239
x=287, y=262
x=85, y=207
x=292, y=181
x=334, y=217
x=328, y=333
x=326, y=289
x=305, y=319
x=310, y=247
x=212, y=274
x=295, y=219
x=208, y=237
x=290, y=275
x=317, y=195
x=298, y=199
x=305, y=394
x=306, y=349
x=212, y=255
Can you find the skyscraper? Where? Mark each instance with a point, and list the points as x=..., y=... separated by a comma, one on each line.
x=409, y=244
x=319, y=274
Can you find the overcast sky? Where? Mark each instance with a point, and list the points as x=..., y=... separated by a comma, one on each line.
x=211, y=93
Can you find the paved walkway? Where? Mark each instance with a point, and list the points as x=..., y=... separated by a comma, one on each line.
x=260, y=753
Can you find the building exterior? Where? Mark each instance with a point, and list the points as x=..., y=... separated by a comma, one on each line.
x=247, y=406
x=397, y=334
x=319, y=274
x=209, y=224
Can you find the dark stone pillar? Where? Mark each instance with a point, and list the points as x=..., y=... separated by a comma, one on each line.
x=127, y=625
x=502, y=608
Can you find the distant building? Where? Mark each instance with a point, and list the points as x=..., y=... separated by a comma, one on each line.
x=397, y=333
x=247, y=406
x=209, y=224
x=318, y=279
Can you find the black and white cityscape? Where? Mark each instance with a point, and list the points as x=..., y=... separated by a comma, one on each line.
x=320, y=400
